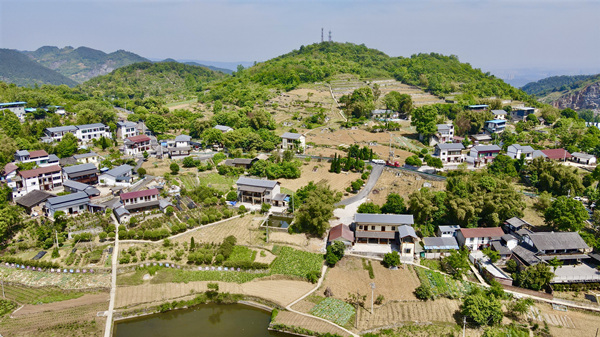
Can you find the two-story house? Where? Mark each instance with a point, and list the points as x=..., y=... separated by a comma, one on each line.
x=179, y=147
x=39, y=157
x=520, y=114
x=45, y=178
x=444, y=134
x=70, y=204
x=90, y=157
x=448, y=231
x=118, y=176
x=257, y=191
x=83, y=173
x=483, y=154
x=516, y=151
x=136, y=145
x=56, y=134
x=449, y=152
x=293, y=141
x=495, y=126
x=87, y=132
x=499, y=114
x=379, y=228
x=139, y=201
x=478, y=238
x=18, y=108
x=127, y=129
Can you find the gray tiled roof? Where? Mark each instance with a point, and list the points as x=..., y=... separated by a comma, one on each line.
x=183, y=138
x=440, y=243
x=523, y=148
x=396, y=219
x=33, y=198
x=517, y=222
x=120, y=211
x=485, y=148
x=80, y=168
x=223, y=128
x=85, y=155
x=62, y=128
x=450, y=146
x=558, y=241
x=582, y=155
x=91, y=126
x=291, y=135
x=119, y=170
x=256, y=182
x=68, y=200
x=405, y=230
x=499, y=112
x=126, y=124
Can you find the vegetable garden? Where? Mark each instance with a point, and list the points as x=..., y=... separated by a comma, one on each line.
x=442, y=285
x=334, y=310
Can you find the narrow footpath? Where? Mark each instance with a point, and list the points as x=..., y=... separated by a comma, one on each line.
x=113, y=282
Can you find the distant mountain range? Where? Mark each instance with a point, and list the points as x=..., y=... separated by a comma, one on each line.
x=17, y=68
x=575, y=92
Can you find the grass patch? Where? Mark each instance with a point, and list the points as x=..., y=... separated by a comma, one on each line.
x=185, y=276
x=296, y=262
x=132, y=279
x=242, y=254
x=189, y=182
x=368, y=267
x=334, y=310
x=27, y=295
x=189, y=101
x=432, y=264
x=442, y=285
x=217, y=181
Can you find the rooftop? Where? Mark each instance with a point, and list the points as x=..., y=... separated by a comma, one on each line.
x=183, y=138
x=582, y=155
x=85, y=155
x=523, y=148
x=341, y=231
x=486, y=148
x=498, y=112
x=223, y=128
x=69, y=170
x=33, y=198
x=139, y=194
x=126, y=124
x=291, y=135
x=557, y=241
x=13, y=103
x=70, y=128
x=91, y=126
x=61, y=201
x=393, y=219
x=119, y=170
x=517, y=222
x=256, y=182
x=497, y=121
x=557, y=153
x=405, y=230
x=40, y=170
x=450, y=146
x=138, y=139
x=440, y=243
x=482, y=232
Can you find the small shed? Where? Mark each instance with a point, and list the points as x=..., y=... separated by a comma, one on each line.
x=583, y=158
x=437, y=247
x=341, y=233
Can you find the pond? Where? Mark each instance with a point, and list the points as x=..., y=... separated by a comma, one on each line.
x=280, y=221
x=223, y=320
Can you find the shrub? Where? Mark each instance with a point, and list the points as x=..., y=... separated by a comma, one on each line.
x=391, y=259
x=174, y=168
x=313, y=276
x=424, y=292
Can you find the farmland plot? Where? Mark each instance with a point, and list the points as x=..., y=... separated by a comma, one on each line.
x=333, y=310
x=293, y=319
x=442, y=285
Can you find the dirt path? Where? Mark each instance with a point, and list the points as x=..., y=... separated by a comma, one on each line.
x=89, y=299
x=294, y=319
x=113, y=282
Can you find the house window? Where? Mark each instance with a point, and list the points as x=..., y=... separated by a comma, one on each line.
x=407, y=251
x=360, y=227
x=393, y=228
x=372, y=228
x=383, y=228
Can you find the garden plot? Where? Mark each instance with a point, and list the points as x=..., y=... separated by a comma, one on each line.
x=571, y=323
x=334, y=310
x=292, y=319
x=245, y=230
x=402, y=182
x=443, y=285
x=394, y=285
x=63, y=281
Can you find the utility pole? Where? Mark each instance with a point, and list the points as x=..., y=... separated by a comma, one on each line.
x=356, y=316
x=372, y=294
x=464, y=324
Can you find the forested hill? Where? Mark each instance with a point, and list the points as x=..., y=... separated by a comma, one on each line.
x=548, y=85
x=168, y=80
x=83, y=63
x=438, y=74
x=17, y=68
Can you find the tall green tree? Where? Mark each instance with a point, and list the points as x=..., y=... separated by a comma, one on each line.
x=67, y=146
x=483, y=310
x=394, y=204
x=566, y=214
x=313, y=215
x=424, y=119
x=156, y=123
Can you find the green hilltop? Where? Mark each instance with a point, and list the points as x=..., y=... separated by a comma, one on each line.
x=563, y=83
x=440, y=75
x=83, y=63
x=19, y=69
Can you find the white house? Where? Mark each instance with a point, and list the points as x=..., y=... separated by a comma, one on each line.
x=406, y=240
x=449, y=152
x=499, y=114
x=379, y=228
x=43, y=178
x=583, y=158
x=223, y=128
x=257, y=191
x=18, y=108
x=127, y=129
x=291, y=141
x=515, y=151
x=179, y=147
x=39, y=157
x=447, y=231
x=118, y=176
x=122, y=214
x=71, y=204
x=88, y=158
x=87, y=132
x=140, y=201
x=444, y=134
x=483, y=154
x=136, y=145
x=56, y=134
x=478, y=238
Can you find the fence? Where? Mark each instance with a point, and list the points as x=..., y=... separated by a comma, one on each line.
x=56, y=270
x=130, y=268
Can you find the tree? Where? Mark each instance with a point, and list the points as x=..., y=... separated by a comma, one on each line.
x=67, y=146
x=174, y=168
x=141, y=172
x=482, y=310
x=503, y=165
x=212, y=136
x=457, y=263
x=369, y=207
x=391, y=259
x=11, y=124
x=493, y=255
x=520, y=307
x=231, y=196
x=394, y=204
x=536, y=277
x=264, y=208
x=192, y=244
x=169, y=211
x=566, y=214
x=189, y=162
x=424, y=292
x=156, y=123
x=396, y=101
x=360, y=103
x=335, y=252
x=414, y=161
x=146, y=155
x=424, y=118
x=314, y=214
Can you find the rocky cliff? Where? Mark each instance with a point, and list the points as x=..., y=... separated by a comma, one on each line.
x=587, y=97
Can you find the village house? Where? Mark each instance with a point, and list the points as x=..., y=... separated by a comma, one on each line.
x=39, y=157
x=179, y=147
x=71, y=204
x=557, y=154
x=438, y=247
x=567, y=247
x=583, y=158
x=520, y=114
x=43, y=178
x=257, y=191
x=499, y=114
x=407, y=239
x=483, y=154
x=223, y=128
x=136, y=145
x=341, y=233
x=515, y=224
x=33, y=200
x=90, y=157
x=449, y=152
x=293, y=141
x=75, y=187
x=241, y=162
x=122, y=214
x=481, y=138
x=516, y=151
x=18, y=108
x=478, y=107
x=118, y=176
x=448, y=231
x=83, y=173
x=56, y=134
x=495, y=126
x=84, y=133
x=478, y=238
x=444, y=134
x=379, y=228
x=139, y=201
x=126, y=130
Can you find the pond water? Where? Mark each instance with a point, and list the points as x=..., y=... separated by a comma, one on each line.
x=223, y=320
x=280, y=221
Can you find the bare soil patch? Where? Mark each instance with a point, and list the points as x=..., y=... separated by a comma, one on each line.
x=394, y=285
x=402, y=182
x=571, y=323
x=88, y=299
x=294, y=319
x=319, y=172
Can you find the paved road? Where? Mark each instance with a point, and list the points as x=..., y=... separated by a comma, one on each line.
x=113, y=283
x=373, y=177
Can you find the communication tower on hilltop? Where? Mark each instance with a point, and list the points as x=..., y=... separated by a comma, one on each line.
x=329, y=36
x=321, y=34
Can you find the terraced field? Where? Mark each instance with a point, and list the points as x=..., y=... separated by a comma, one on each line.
x=293, y=319
x=440, y=310
x=29, y=295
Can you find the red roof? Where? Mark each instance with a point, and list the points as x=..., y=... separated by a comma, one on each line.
x=42, y=170
x=341, y=231
x=483, y=232
x=138, y=194
x=10, y=167
x=557, y=154
x=139, y=138
x=37, y=154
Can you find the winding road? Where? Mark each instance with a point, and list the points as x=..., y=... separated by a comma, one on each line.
x=373, y=177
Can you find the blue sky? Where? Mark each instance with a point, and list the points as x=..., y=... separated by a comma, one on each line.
x=492, y=35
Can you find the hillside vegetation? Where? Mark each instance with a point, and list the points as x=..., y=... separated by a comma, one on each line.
x=83, y=63
x=168, y=80
x=438, y=74
x=552, y=84
x=19, y=69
